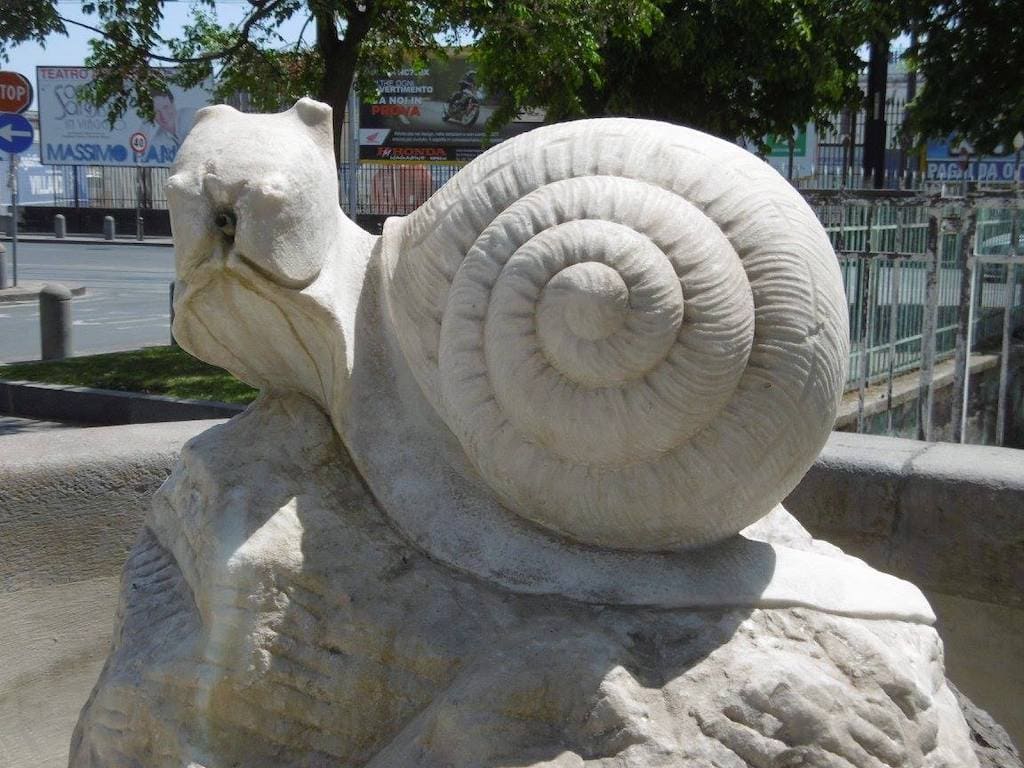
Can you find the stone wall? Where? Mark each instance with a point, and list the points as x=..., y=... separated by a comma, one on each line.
x=71, y=503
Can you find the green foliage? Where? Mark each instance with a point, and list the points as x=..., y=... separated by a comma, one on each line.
x=735, y=68
x=550, y=53
x=167, y=371
x=23, y=21
x=971, y=57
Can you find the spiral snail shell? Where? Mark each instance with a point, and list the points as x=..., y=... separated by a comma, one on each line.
x=637, y=332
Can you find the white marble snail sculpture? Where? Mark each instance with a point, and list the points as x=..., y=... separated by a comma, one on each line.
x=600, y=347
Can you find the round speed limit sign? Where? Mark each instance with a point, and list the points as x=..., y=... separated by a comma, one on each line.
x=138, y=142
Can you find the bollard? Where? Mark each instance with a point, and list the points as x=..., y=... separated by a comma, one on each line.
x=174, y=342
x=55, y=322
x=59, y=226
x=139, y=229
x=108, y=228
x=3, y=267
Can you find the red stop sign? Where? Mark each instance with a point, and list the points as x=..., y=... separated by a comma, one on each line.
x=15, y=92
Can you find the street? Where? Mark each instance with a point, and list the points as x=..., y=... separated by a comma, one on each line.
x=126, y=305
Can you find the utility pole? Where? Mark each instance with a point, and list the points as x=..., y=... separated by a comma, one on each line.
x=874, y=124
x=911, y=95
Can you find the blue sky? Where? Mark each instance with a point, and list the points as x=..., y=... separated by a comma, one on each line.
x=73, y=49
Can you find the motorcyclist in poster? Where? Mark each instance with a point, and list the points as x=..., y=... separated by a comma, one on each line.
x=463, y=106
x=438, y=112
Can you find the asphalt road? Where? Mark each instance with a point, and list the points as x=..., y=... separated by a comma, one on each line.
x=126, y=306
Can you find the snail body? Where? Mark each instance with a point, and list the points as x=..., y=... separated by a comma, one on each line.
x=581, y=368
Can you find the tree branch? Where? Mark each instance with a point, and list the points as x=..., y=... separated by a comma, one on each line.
x=257, y=15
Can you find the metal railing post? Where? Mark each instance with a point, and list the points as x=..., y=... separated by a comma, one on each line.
x=1010, y=290
x=926, y=385
x=964, y=317
x=895, y=277
x=867, y=316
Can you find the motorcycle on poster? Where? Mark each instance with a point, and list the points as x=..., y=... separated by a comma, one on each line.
x=435, y=114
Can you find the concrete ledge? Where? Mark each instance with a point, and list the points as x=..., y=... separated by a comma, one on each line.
x=71, y=504
x=949, y=518
x=83, y=405
x=904, y=389
x=73, y=500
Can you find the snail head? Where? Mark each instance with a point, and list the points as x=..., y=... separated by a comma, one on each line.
x=253, y=200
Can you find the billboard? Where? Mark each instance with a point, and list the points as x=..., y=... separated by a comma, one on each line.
x=805, y=151
x=942, y=163
x=437, y=114
x=39, y=185
x=74, y=132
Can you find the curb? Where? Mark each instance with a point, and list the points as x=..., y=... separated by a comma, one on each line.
x=164, y=242
x=29, y=290
x=103, y=407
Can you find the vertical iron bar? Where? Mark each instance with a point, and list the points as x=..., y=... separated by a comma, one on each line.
x=964, y=313
x=1004, y=355
x=867, y=315
x=926, y=386
x=867, y=326
x=353, y=152
x=972, y=264
x=894, y=314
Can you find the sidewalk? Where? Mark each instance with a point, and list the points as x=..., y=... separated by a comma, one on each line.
x=12, y=425
x=43, y=237
x=28, y=290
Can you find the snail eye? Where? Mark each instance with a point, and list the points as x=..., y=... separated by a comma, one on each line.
x=225, y=221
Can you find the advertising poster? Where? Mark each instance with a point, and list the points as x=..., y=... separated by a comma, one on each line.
x=438, y=114
x=942, y=163
x=40, y=185
x=74, y=132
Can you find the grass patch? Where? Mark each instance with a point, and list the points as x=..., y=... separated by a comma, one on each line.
x=167, y=371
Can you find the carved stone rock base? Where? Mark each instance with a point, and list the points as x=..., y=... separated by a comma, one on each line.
x=271, y=616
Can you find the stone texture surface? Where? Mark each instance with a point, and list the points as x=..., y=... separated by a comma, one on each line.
x=69, y=509
x=271, y=615
x=985, y=656
x=992, y=744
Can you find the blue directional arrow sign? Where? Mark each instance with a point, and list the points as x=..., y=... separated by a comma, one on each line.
x=15, y=133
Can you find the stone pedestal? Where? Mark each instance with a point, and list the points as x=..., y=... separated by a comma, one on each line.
x=271, y=615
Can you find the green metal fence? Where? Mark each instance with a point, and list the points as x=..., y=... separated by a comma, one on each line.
x=928, y=277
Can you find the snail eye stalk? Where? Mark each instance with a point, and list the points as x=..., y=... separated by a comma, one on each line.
x=225, y=221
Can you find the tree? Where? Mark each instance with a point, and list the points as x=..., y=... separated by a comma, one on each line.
x=970, y=54
x=737, y=69
x=354, y=40
x=251, y=55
